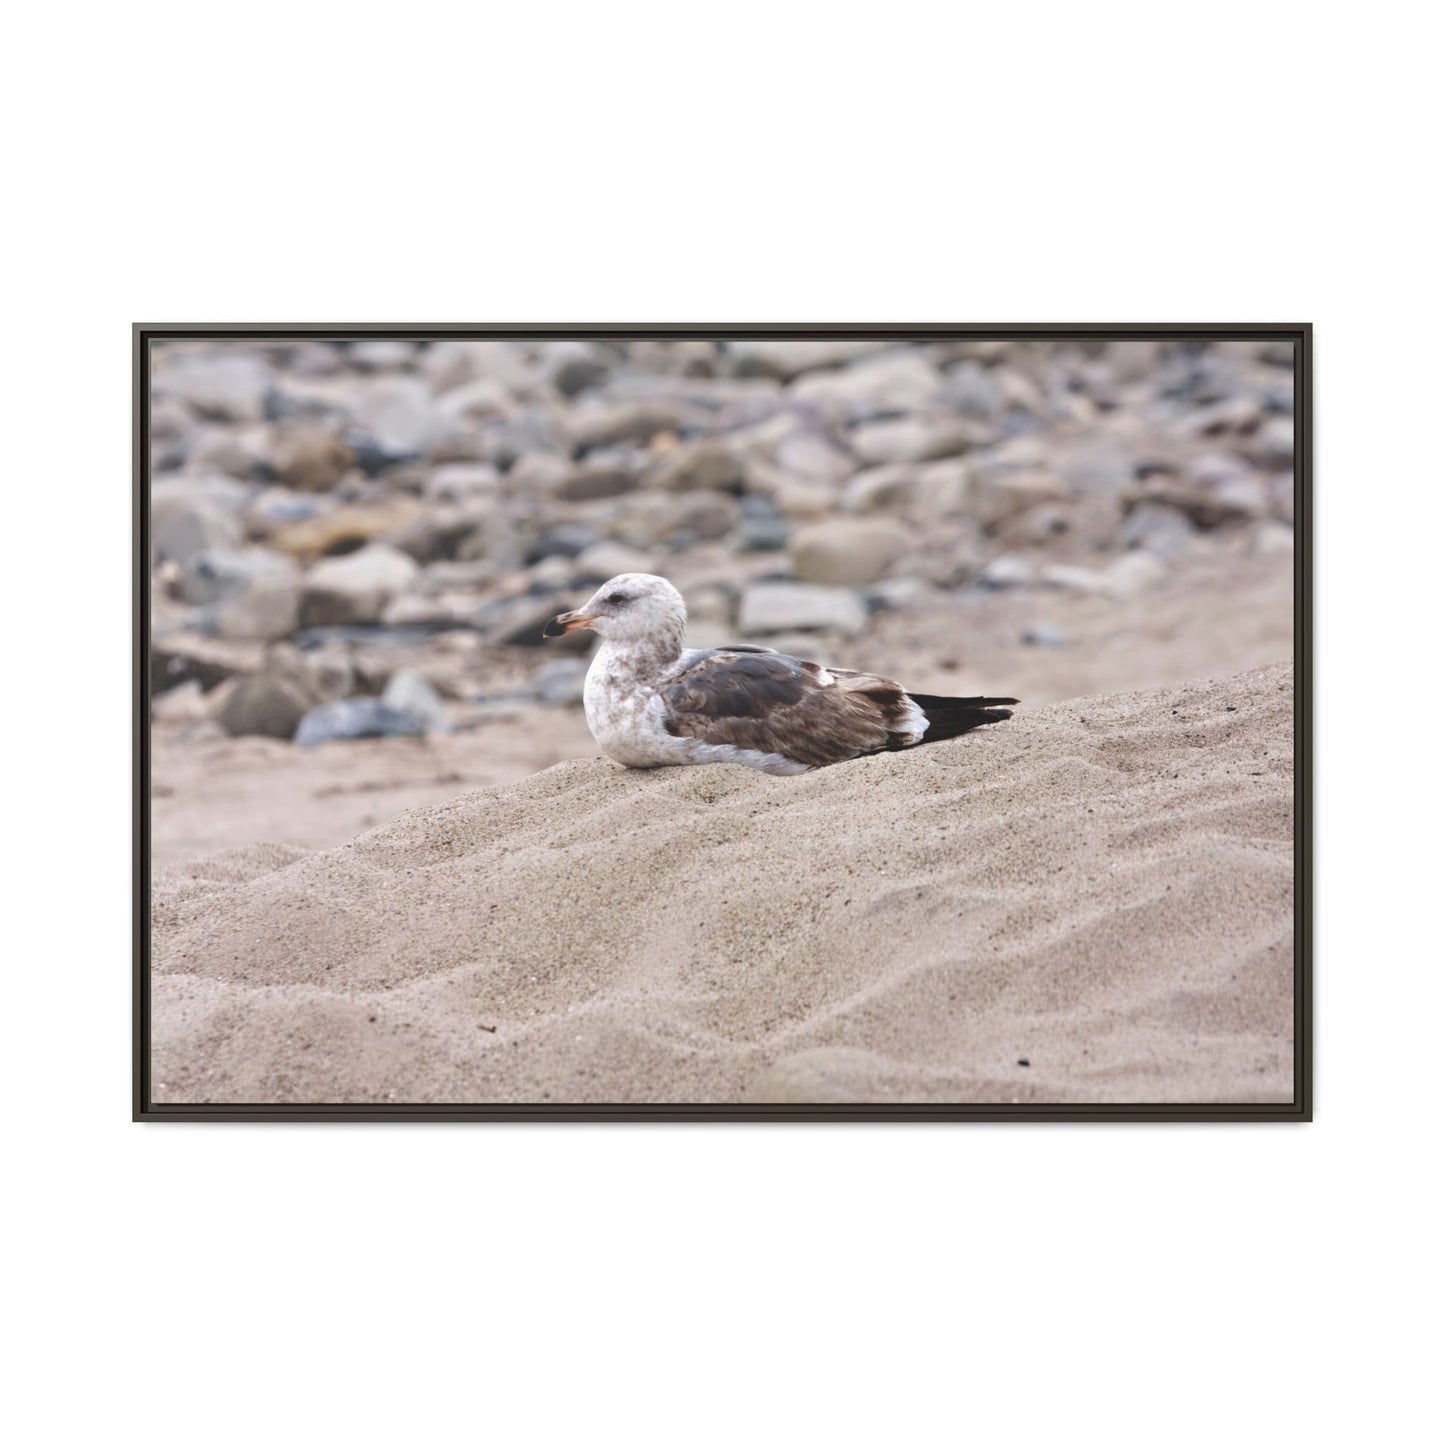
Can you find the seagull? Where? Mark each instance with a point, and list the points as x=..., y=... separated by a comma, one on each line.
x=652, y=703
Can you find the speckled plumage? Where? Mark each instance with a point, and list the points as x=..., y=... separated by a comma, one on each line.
x=652, y=703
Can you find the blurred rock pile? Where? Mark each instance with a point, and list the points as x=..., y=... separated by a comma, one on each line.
x=366, y=538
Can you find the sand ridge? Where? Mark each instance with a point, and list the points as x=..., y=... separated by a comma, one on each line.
x=1101, y=887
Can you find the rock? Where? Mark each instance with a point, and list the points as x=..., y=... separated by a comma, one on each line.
x=610, y=424
x=273, y=701
x=906, y=439
x=227, y=387
x=1272, y=446
x=332, y=671
x=901, y=594
x=1070, y=578
x=409, y=692
x=217, y=574
x=183, y=656
x=1218, y=469
x=269, y=609
x=762, y=532
x=399, y=413
x=433, y=612
x=355, y=717
x=354, y=588
x=540, y=471
x=706, y=516
x=708, y=466
x=277, y=507
x=346, y=527
x=787, y=359
x=1229, y=416
x=566, y=539
x=972, y=390
x=1126, y=577
x=449, y=364
x=796, y=607
x=808, y=455
x=605, y=559
x=652, y=519
x=439, y=577
x=802, y=499
x=922, y=492
x=1091, y=524
x=1044, y=634
x=1243, y=497
x=895, y=381
x=999, y=494
x=575, y=366
x=606, y=473
x=1236, y=492
x=383, y=354
x=485, y=399
x=559, y=682
x=463, y=482
x=1021, y=396
x=312, y=460
x=256, y=593
x=1239, y=501
x=848, y=551
x=1163, y=530
x=1095, y=470
x=180, y=530
x=450, y=530
x=1133, y=361
x=242, y=453
x=1006, y=571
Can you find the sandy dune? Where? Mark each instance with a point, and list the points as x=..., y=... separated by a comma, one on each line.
x=1101, y=887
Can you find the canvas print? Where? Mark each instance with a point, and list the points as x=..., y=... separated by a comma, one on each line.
x=769, y=723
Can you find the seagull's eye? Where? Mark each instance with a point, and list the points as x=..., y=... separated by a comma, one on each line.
x=616, y=598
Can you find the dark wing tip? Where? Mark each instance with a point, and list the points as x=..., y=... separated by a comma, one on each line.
x=927, y=700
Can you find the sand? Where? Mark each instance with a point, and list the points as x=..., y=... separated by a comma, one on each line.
x=1091, y=902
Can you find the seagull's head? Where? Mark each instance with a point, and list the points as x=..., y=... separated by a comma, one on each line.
x=633, y=607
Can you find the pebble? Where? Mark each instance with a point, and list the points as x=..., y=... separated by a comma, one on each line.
x=409, y=692
x=355, y=717
x=1044, y=634
x=848, y=551
x=227, y=386
x=356, y=588
x=273, y=701
x=770, y=607
x=1006, y=571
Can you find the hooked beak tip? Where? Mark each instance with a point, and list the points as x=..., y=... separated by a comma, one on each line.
x=567, y=622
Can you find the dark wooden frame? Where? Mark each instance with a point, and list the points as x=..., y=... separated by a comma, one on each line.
x=1302, y=1107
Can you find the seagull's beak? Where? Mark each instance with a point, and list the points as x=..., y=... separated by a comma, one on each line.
x=567, y=622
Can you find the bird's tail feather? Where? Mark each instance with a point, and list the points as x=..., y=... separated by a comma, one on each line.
x=950, y=716
x=952, y=704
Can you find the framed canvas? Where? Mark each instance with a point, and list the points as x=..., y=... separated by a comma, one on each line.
x=722, y=722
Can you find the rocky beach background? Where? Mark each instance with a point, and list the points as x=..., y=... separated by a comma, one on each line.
x=354, y=545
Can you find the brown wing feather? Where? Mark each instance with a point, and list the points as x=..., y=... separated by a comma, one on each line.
x=771, y=703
